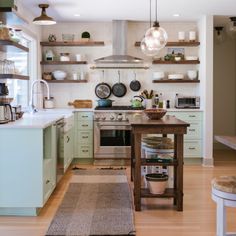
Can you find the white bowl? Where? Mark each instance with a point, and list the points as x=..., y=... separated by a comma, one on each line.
x=59, y=74
x=175, y=76
x=158, y=75
x=192, y=74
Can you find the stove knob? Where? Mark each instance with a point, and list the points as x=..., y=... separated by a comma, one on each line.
x=112, y=117
x=97, y=118
x=103, y=118
x=119, y=117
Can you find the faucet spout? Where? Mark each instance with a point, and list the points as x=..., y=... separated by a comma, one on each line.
x=32, y=106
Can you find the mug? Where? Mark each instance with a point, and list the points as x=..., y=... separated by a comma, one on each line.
x=78, y=57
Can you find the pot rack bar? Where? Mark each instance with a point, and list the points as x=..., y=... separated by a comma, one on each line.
x=119, y=67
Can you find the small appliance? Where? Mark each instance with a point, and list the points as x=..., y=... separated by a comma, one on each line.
x=182, y=102
x=5, y=113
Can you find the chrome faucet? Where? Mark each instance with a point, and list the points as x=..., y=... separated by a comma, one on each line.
x=32, y=106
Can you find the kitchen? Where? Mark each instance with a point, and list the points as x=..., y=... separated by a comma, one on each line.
x=81, y=81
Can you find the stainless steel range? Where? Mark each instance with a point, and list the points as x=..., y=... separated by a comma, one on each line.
x=112, y=132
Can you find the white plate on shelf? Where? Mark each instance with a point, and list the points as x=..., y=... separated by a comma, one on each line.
x=191, y=58
x=176, y=76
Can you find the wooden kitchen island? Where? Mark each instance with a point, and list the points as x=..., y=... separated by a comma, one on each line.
x=167, y=125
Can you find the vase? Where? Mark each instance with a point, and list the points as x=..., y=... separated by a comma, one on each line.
x=148, y=103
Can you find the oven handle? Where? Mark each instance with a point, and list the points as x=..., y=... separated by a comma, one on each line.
x=114, y=127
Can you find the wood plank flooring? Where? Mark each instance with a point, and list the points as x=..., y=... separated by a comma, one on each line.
x=157, y=217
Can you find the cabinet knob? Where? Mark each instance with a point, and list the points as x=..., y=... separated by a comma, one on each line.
x=192, y=130
x=84, y=136
x=85, y=125
x=68, y=139
x=191, y=148
x=47, y=181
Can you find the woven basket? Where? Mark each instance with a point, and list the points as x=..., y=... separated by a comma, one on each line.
x=155, y=114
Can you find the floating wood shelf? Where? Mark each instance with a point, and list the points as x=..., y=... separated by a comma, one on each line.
x=176, y=44
x=184, y=62
x=169, y=192
x=14, y=76
x=63, y=62
x=66, y=81
x=11, y=46
x=73, y=44
x=175, y=81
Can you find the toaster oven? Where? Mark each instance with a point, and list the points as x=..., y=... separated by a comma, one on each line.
x=187, y=102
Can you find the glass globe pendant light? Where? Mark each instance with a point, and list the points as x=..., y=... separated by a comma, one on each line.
x=155, y=38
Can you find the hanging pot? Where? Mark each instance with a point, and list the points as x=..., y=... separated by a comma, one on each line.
x=103, y=90
x=119, y=89
x=135, y=85
x=104, y=102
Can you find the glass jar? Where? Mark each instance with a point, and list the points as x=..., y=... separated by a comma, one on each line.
x=64, y=56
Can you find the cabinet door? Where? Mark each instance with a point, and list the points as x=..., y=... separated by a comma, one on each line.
x=68, y=148
x=49, y=161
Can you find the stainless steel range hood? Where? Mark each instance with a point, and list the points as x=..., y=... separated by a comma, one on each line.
x=119, y=46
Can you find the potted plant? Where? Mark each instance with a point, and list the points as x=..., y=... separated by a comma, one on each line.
x=85, y=36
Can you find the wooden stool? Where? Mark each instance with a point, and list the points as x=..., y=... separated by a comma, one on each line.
x=224, y=194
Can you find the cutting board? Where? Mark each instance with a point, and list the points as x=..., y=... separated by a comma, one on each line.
x=81, y=104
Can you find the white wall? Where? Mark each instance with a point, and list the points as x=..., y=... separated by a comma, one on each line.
x=206, y=86
x=103, y=31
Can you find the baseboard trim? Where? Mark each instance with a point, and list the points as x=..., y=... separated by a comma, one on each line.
x=19, y=211
x=208, y=162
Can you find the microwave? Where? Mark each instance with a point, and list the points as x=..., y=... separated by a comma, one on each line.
x=187, y=102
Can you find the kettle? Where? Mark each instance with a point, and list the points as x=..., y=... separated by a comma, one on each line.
x=137, y=101
x=5, y=113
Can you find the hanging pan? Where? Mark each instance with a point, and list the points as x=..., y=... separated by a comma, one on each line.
x=119, y=89
x=103, y=90
x=135, y=84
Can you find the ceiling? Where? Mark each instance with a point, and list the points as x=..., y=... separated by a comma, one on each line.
x=138, y=10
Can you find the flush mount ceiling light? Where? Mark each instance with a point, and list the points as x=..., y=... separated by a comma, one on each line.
x=219, y=34
x=44, y=19
x=155, y=38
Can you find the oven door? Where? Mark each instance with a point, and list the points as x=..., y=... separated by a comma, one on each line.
x=112, y=140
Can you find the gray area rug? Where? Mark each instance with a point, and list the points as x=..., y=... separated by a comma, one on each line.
x=97, y=202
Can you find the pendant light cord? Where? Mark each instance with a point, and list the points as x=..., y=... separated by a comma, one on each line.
x=156, y=10
x=150, y=20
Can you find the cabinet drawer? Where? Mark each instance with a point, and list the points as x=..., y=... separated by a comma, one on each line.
x=194, y=131
x=192, y=149
x=84, y=115
x=187, y=116
x=85, y=125
x=85, y=137
x=85, y=151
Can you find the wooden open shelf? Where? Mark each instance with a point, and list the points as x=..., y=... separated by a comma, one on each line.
x=169, y=192
x=144, y=163
x=183, y=62
x=175, y=81
x=63, y=62
x=73, y=44
x=176, y=44
x=11, y=46
x=14, y=76
x=66, y=81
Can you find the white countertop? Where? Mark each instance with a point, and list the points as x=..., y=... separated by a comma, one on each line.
x=46, y=117
x=39, y=120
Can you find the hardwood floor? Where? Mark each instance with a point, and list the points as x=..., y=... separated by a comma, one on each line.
x=157, y=217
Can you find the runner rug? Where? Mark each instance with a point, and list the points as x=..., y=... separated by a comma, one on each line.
x=97, y=202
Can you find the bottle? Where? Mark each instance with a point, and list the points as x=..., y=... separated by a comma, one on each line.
x=160, y=105
x=156, y=100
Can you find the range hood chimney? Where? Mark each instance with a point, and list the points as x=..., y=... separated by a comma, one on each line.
x=119, y=45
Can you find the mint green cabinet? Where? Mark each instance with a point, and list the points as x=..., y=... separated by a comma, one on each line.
x=27, y=169
x=193, y=138
x=68, y=148
x=83, y=139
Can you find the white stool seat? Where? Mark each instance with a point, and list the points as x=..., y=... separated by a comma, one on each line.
x=222, y=199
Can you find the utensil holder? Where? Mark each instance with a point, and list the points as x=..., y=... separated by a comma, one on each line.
x=148, y=103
